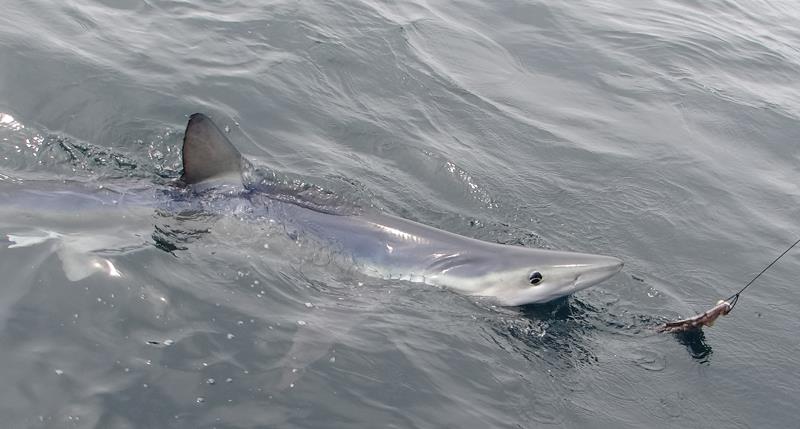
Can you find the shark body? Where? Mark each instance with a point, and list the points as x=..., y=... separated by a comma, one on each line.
x=217, y=178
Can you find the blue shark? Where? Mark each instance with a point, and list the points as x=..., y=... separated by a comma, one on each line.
x=218, y=179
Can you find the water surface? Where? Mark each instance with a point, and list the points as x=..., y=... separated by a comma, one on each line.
x=664, y=133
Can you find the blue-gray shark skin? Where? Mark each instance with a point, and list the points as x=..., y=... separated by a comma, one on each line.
x=390, y=247
x=394, y=248
x=375, y=243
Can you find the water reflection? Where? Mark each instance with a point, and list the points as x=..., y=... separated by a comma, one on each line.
x=695, y=342
x=560, y=309
x=565, y=328
x=554, y=333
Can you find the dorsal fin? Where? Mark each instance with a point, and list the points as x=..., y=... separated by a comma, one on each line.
x=207, y=153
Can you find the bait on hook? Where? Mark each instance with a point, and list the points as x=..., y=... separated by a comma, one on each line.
x=721, y=308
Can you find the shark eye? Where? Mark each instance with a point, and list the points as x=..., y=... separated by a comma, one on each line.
x=535, y=278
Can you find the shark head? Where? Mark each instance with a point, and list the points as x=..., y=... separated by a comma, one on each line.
x=518, y=275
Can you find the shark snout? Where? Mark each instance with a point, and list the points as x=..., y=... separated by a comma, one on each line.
x=601, y=269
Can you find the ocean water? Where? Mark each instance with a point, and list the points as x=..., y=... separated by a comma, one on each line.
x=665, y=133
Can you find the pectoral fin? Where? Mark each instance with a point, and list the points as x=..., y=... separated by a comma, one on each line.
x=76, y=252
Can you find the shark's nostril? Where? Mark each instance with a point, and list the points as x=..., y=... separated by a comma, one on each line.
x=614, y=264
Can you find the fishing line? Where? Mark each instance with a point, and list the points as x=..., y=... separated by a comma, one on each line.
x=735, y=297
x=722, y=307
